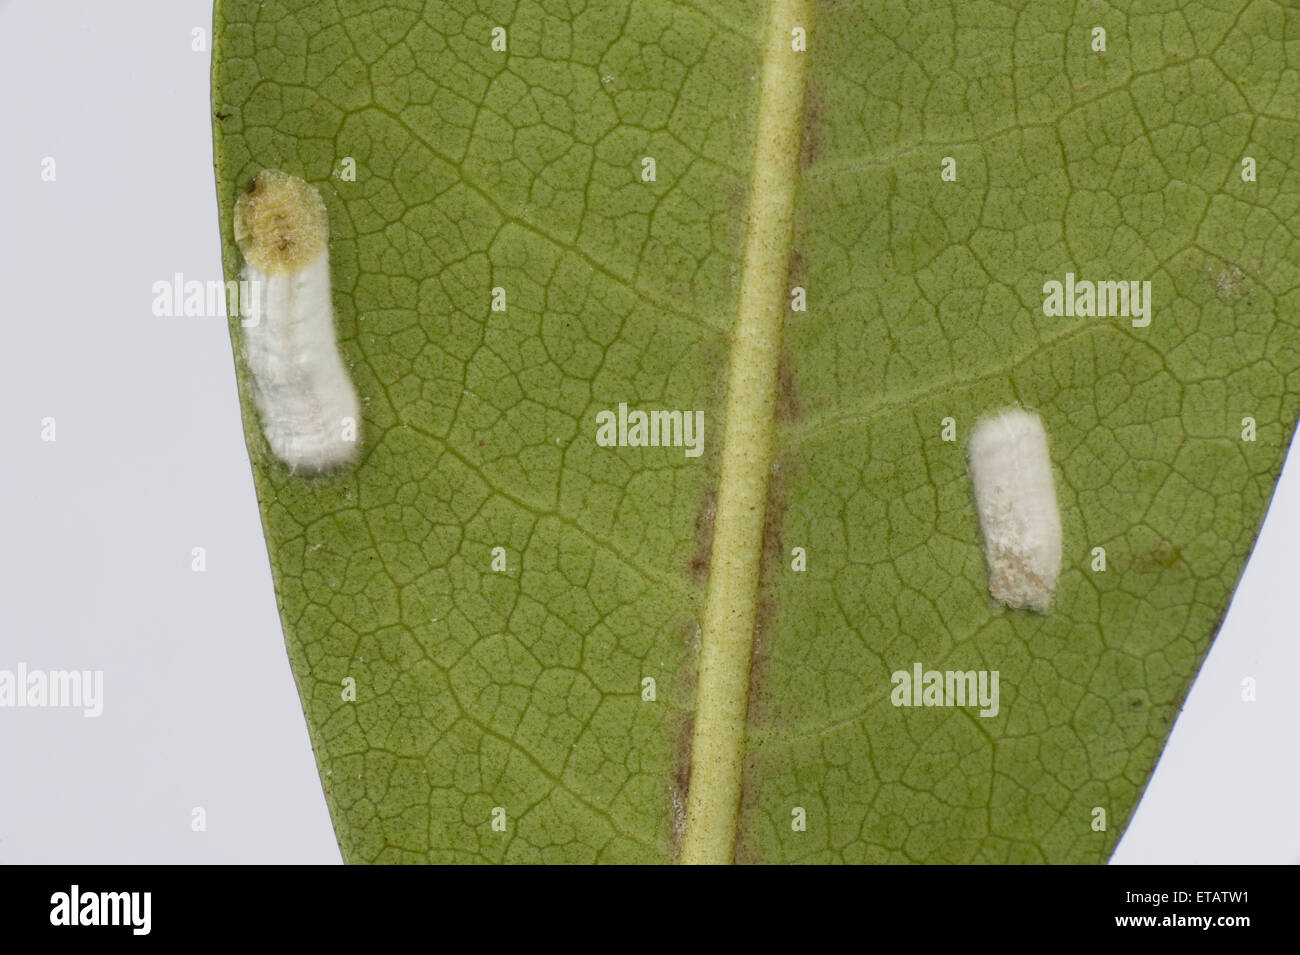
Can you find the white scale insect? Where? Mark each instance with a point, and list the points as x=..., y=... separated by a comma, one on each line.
x=303, y=392
x=1015, y=496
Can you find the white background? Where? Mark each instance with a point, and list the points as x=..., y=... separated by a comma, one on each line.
x=96, y=529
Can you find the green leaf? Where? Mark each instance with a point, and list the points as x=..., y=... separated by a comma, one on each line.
x=522, y=690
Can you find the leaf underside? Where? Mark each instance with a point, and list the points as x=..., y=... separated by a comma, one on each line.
x=521, y=170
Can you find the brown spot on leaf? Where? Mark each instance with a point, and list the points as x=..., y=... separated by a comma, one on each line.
x=795, y=270
x=679, y=790
x=811, y=136
x=761, y=711
x=1160, y=557
x=704, y=522
x=682, y=733
x=787, y=403
x=770, y=570
x=747, y=852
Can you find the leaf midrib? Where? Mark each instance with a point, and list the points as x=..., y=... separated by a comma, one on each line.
x=721, y=702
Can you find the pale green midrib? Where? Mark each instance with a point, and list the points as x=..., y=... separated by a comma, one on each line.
x=721, y=702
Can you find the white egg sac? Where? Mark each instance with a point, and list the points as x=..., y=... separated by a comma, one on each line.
x=303, y=391
x=1015, y=497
